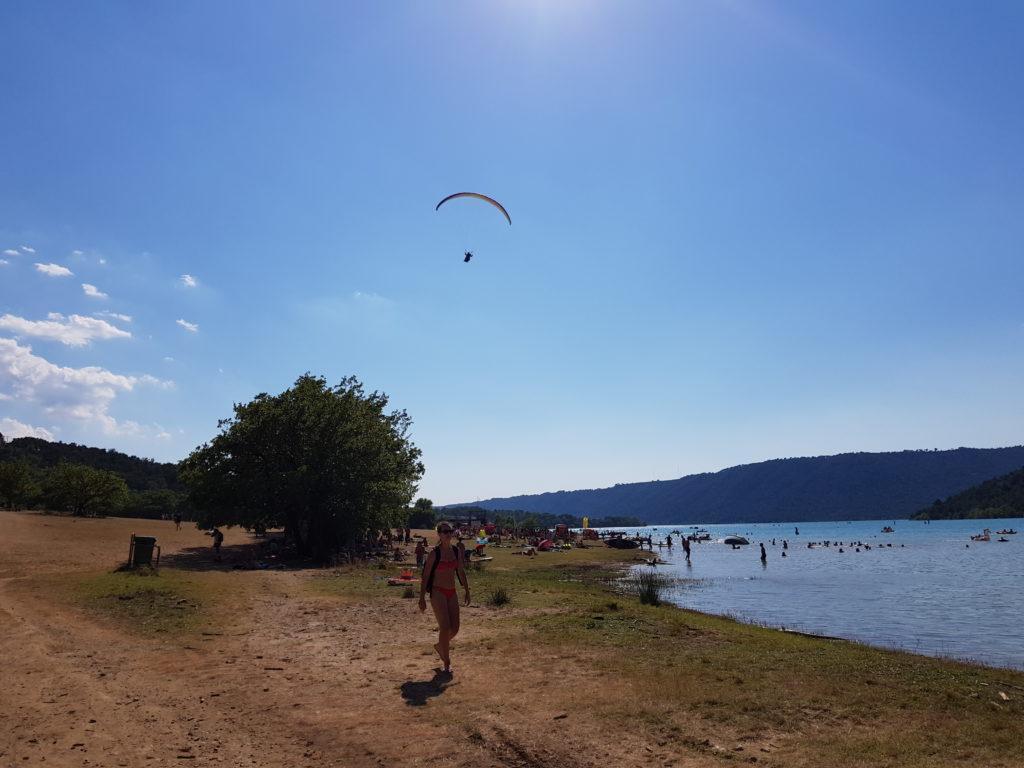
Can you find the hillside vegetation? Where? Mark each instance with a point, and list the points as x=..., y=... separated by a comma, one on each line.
x=37, y=474
x=849, y=486
x=138, y=474
x=999, y=497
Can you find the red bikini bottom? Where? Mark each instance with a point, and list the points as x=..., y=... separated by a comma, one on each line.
x=446, y=591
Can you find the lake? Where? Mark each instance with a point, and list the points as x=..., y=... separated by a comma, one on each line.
x=934, y=591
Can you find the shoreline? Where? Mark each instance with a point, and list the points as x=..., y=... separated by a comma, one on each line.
x=238, y=667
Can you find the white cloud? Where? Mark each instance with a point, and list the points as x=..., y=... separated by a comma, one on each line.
x=74, y=331
x=83, y=395
x=27, y=249
x=93, y=292
x=190, y=327
x=168, y=359
x=12, y=428
x=54, y=270
x=368, y=297
x=11, y=252
x=102, y=260
x=4, y=262
x=153, y=381
x=77, y=253
x=114, y=316
x=189, y=281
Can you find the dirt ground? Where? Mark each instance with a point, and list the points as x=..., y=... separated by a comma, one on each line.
x=290, y=678
x=209, y=665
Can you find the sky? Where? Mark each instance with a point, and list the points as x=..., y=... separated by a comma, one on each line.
x=740, y=230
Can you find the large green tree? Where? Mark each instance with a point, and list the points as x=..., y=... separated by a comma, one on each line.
x=18, y=487
x=83, y=490
x=330, y=464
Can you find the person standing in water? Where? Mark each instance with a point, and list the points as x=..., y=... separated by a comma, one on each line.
x=764, y=555
x=444, y=564
x=686, y=548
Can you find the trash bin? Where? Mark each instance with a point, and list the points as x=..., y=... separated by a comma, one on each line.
x=142, y=550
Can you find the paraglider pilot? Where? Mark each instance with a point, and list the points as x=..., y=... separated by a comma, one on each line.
x=469, y=255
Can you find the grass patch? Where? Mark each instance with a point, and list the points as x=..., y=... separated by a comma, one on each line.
x=648, y=586
x=144, y=601
x=498, y=597
x=786, y=699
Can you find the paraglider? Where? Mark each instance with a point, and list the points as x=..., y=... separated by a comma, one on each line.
x=478, y=196
x=490, y=200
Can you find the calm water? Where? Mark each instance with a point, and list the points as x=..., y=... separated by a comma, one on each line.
x=933, y=595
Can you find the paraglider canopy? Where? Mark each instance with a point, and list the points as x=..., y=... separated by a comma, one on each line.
x=478, y=196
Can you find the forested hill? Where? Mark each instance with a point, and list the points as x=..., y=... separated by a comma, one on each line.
x=139, y=474
x=999, y=497
x=850, y=486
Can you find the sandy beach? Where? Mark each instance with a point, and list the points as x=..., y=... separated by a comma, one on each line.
x=205, y=665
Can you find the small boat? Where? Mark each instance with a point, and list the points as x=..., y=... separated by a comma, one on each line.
x=622, y=543
x=888, y=529
x=1006, y=532
x=735, y=540
x=981, y=537
x=1002, y=538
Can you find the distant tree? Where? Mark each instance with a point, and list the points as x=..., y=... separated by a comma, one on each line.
x=18, y=487
x=422, y=514
x=329, y=464
x=83, y=490
x=153, y=505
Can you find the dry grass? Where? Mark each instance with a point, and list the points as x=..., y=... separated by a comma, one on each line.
x=573, y=654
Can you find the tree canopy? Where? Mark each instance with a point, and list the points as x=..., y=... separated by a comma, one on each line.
x=422, y=514
x=83, y=490
x=329, y=464
x=18, y=487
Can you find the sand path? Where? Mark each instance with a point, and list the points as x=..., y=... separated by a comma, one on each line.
x=293, y=680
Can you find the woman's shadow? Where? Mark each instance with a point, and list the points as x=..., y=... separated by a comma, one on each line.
x=416, y=693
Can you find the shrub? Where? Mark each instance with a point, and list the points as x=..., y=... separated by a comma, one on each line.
x=649, y=587
x=499, y=597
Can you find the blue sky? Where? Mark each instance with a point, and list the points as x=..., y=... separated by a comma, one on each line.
x=741, y=230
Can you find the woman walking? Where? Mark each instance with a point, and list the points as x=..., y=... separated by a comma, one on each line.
x=443, y=566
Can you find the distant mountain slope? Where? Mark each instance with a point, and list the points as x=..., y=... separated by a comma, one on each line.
x=139, y=474
x=999, y=497
x=850, y=486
